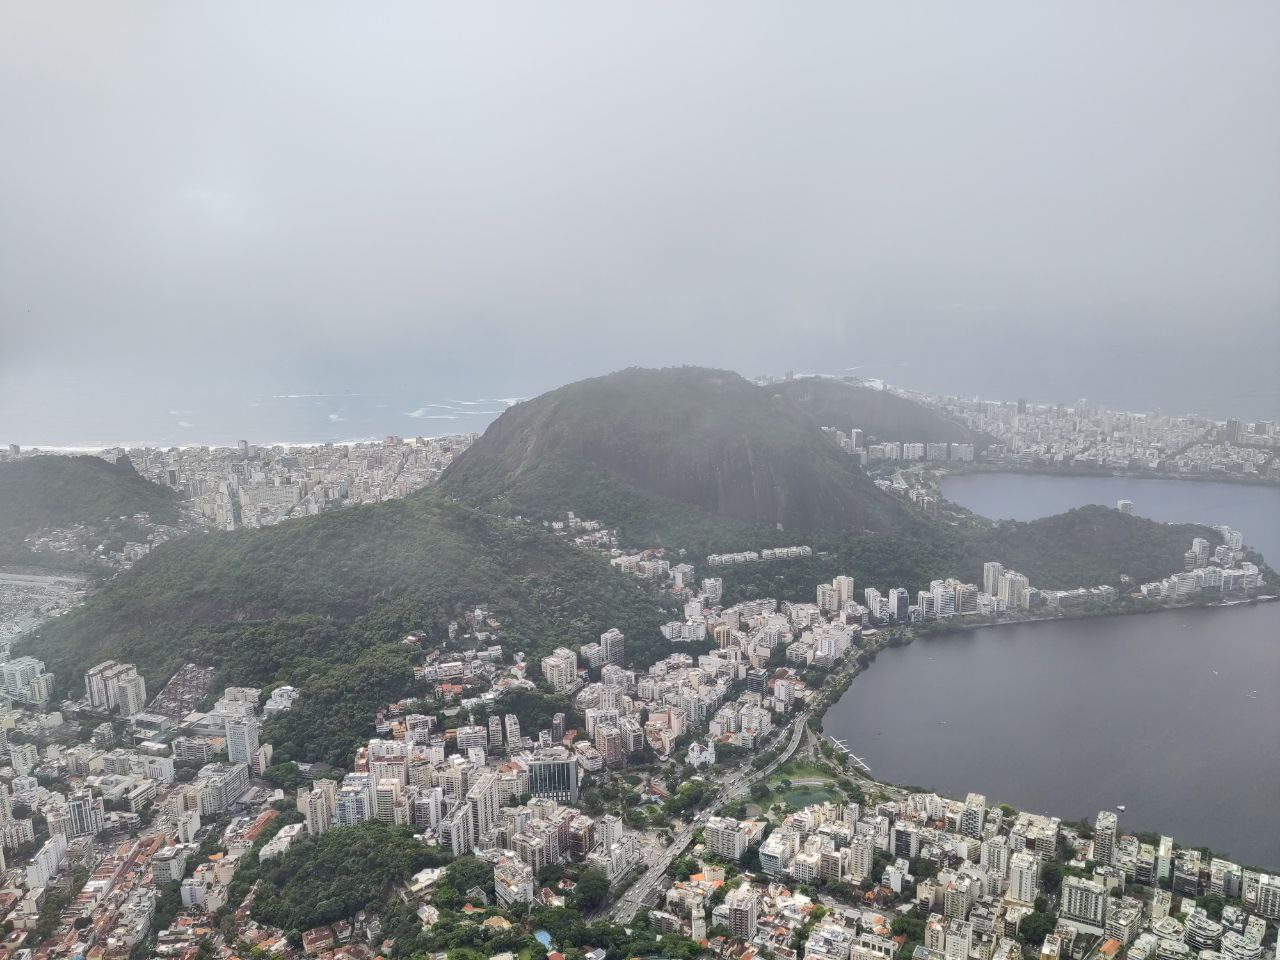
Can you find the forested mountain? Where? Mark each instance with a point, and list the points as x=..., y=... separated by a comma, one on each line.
x=322, y=603
x=670, y=456
x=880, y=414
x=1083, y=547
x=43, y=492
x=688, y=456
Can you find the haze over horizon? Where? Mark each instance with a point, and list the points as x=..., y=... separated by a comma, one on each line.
x=424, y=204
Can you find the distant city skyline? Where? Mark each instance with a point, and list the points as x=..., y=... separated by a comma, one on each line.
x=317, y=417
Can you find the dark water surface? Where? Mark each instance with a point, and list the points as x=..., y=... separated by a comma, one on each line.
x=1069, y=718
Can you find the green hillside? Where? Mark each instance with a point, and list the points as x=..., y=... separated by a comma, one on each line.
x=1083, y=547
x=57, y=492
x=688, y=457
x=683, y=456
x=322, y=603
x=882, y=415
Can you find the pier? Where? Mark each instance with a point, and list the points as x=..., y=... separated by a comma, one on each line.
x=848, y=754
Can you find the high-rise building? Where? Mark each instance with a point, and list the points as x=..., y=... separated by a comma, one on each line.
x=220, y=784
x=862, y=853
x=742, y=910
x=1084, y=902
x=111, y=685
x=427, y=807
x=455, y=830
x=387, y=802
x=993, y=856
x=85, y=814
x=511, y=724
x=608, y=741
x=553, y=773
x=1125, y=507
x=560, y=669
x=1268, y=897
x=1202, y=931
x=613, y=646
x=899, y=604
x=1104, y=838
x=1024, y=877
x=1240, y=946
x=355, y=801
x=991, y=573
x=242, y=738
x=25, y=679
x=47, y=862
x=471, y=736
x=974, y=815
x=318, y=805
x=131, y=693
x=483, y=800
x=726, y=837
x=1014, y=589
x=844, y=590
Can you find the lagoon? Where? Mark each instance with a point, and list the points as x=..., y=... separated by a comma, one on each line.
x=1173, y=714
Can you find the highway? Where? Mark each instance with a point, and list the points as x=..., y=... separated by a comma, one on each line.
x=734, y=787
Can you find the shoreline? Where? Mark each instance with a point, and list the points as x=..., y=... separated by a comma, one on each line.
x=1101, y=473
x=73, y=450
x=910, y=635
x=914, y=631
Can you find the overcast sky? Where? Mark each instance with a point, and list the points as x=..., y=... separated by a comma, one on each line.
x=204, y=204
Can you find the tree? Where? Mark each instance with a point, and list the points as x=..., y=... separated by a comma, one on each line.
x=684, y=868
x=1035, y=927
x=591, y=891
x=340, y=872
x=1212, y=904
x=1051, y=876
x=467, y=871
x=285, y=776
x=908, y=925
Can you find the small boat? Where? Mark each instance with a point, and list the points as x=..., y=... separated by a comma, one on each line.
x=943, y=722
x=1120, y=807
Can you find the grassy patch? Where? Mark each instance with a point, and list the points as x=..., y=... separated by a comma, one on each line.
x=799, y=768
x=805, y=796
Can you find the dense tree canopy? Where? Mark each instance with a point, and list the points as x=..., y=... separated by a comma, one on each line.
x=322, y=603
x=335, y=875
x=57, y=491
x=591, y=891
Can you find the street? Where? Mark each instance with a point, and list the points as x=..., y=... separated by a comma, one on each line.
x=734, y=787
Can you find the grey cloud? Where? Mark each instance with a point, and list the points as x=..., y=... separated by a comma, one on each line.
x=239, y=199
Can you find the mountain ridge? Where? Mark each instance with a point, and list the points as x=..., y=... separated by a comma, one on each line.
x=673, y=447
x=323, y=602
x=881, y=414
x=52, y=491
